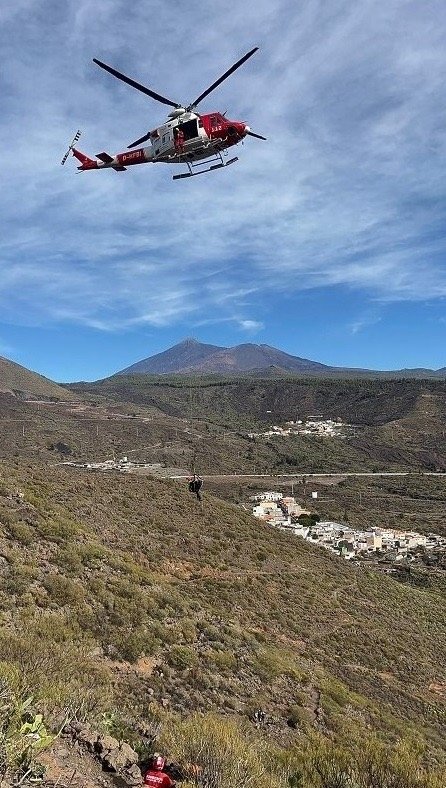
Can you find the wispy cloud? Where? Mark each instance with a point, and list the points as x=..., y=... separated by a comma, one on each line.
x=253, y=326
x=348, y=190
x=367, y=319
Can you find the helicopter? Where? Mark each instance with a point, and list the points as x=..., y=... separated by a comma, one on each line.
x=201, y=142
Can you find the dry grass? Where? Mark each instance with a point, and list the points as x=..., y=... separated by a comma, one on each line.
x=100, y=570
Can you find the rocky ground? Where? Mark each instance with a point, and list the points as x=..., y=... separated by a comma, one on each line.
x=81, y=758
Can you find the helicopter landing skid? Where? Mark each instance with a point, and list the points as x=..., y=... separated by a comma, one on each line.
x=191, y=173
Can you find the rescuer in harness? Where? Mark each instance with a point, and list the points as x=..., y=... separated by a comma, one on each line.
x=157, y=774
x=195, y=485
x=160, y=774
x=178, y=135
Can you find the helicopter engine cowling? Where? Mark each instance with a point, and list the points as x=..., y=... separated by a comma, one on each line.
x=176, y=112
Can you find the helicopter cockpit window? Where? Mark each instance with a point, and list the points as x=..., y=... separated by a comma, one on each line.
x=214, y=122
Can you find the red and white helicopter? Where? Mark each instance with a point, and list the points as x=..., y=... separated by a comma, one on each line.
x=199, y=141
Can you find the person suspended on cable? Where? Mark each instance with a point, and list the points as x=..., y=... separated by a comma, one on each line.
x=195, y=485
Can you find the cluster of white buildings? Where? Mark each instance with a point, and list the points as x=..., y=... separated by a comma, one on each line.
x=351, y=542
x=278, y=510
x=312, y=426
x=282, y=511
x=123, y=464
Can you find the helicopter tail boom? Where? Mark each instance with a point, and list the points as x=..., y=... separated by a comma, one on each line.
x=92, y=164
x=86, y=162
x=119, y=162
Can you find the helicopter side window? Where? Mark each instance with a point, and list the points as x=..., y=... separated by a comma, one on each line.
x=214, y=122
x=190, y=129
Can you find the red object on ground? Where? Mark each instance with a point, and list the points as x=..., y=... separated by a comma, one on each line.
x=158, y=779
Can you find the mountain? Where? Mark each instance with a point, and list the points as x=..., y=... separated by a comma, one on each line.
x=191, y=356
x=185, y=356
x=22, y=383
x=247, y=357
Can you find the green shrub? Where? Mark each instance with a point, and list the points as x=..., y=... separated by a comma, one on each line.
x=135, y=644
x=222, y=660
x=21, y=532
x=298, y=716
x=23, y=734
x=182, y=657
x=68, y=559
x=58, y=530
x=218, y=753
x=189, y=630
x=62, y=590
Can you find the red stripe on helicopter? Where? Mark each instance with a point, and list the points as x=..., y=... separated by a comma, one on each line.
x=132, y=157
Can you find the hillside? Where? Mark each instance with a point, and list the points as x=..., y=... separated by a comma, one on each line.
x=258, y=401
x=21, y=382
x=399, y=424
x=135, y=599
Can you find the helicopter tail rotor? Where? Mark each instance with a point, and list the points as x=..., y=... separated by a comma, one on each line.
x=71, y=146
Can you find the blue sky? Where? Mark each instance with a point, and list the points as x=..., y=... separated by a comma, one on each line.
x=327, y=241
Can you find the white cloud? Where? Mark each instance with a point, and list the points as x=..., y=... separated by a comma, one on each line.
x=348, y=190
x=251, y=325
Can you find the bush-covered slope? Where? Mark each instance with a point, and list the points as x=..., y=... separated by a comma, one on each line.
x=399, y=424
x=123, y=592
x=246, y=401
x=26, y=384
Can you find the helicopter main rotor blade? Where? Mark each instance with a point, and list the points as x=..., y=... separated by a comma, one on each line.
x=258, y=136
x=136, y=85
x=222, y=78
x=141, y=140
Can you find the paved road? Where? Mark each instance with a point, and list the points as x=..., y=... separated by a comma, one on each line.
x=311, y=475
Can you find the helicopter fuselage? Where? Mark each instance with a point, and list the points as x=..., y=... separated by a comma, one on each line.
x=203, y=137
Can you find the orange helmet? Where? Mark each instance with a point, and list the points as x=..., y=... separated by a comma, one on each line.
x=158, y=762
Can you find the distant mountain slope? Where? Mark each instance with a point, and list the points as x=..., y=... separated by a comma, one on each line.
x=186, y=355
x=244, y=358
x=21, y=382
x=193, y=357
